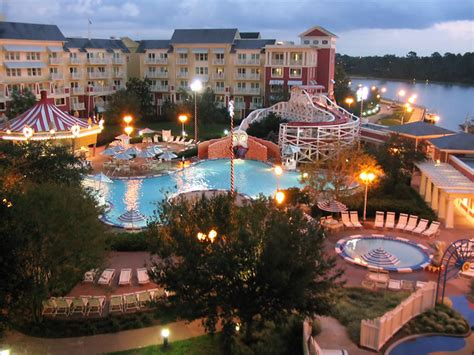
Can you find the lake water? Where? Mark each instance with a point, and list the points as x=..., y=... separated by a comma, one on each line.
x=452, y=102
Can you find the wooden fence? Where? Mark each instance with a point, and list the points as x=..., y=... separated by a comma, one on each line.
x=374, y=333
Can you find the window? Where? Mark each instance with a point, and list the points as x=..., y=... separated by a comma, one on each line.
x=255, y=85
x=201, y=70
x=151, y=55
x=276, y=88
x=184, y=84
x=241, y=71
x=220, y=71
x=183, y=56
x=241, y=85
x=295, y=73
x=325, y=42
x=201, y=57
x=220, y=85
x=315, y=41
x=34, y=72
x=255, y=56
x=220, y=56
x=241, y=56
x=151, y=70
x=278, y=57
x=163, y=55
x=60, y=101
x=118, y=83
x=116, y=55
x=306, y=41
x=183, y=71
x=74, y=84
x=255, y=71
x=164, y=83
x=12, y=56
x=73, y=55
x=101, y=69
x=296, y=57
x=2, y=106
x=277, y=72
x=13, y=72
x=32, y=56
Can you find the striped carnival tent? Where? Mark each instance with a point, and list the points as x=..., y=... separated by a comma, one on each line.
x=46, y=121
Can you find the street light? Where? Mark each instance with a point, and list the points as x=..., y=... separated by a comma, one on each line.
x=278, y=172
x=406, y=109
x=212, y=235
x=400, y=94
x=165, y=333
x=362, y=94
x=196, y=86
x=367, y=178
x=183, y=119
x=128, y=130
x=279, y=197
x=127, y=119
x=384, y=90
x=349, y=101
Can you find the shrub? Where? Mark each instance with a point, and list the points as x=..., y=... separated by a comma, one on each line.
x=129, y=242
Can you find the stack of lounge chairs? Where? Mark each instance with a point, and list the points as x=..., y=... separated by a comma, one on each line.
x=67, y=306
x=351, y=219
x=125, y=276
x=407, y=224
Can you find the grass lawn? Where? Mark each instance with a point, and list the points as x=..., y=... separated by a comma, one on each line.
x=396, y=117
x=357, y=304
x=202, y=345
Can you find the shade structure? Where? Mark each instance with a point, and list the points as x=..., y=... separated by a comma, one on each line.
x=155, y=149
x=145, y=154
x=132, y=216
x=111, y=151
x=291, y=149
x=123, y=156
x=332, y=206
x=132, y=150
x=168, y=155
x=46, y=121
x=146, y=131
x=102, y=178
x=115, y=143
x=123, y=137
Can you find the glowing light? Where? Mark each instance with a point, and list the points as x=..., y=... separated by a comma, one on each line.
x=101, y=124
x=165, y=332
x=28, y=132
x=383, y=90
x=305, y=175
x=367, y=177
x=280, y=197
x=401, y=93
x=127, y=119
x=278, y=170
x=373, y=88
x=201, y=236
x=436, y=118
x=75, y=130
x=196, y=85
x=226, y=132
x=128, y=130
x=349, y=101
x=212, y=235
x=52, y=131
x=182, y=118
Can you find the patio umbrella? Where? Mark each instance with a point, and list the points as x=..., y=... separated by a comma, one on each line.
x=123, y=137
x=132, y=216
x=101, y=177
x=111, y=151
x=291, y=149
x=115, y=143
x=146, y=131
x=332, y=206
x=123, y=156
x=145, y=154
x=133, y=150
x=168, y=156
x=156, y=149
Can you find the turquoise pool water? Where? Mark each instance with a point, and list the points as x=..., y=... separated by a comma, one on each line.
x=251, y=178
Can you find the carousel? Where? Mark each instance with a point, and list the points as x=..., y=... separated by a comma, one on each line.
x=45, y=121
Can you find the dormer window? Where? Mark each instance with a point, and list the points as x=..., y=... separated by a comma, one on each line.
x=315, y=41
x=325, y=42
x=306, y=41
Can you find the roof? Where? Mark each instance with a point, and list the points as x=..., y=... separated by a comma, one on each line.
x=153, y=44
x=250, y=35
x=215, y=35
x=317, y=31
x=459, y=141
x=445, y=176
x=252, y=43
x=95, y=43
x=420, y=129
x=30, y=31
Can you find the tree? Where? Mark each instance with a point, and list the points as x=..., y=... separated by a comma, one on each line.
x=334, y=178
x=269, y=127
x=142, y=90
x=265, y=263
x=123, y=103
x=20, y=102
x=341, y=85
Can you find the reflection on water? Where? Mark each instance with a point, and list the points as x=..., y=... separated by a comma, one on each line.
x=132, y=193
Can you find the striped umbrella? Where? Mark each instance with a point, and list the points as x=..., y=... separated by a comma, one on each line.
x=156, y=149
x=133, y=150
x=111, y=151
x=132, y=216
x=332, y=206
x=168, y=156
x=115, y=143
x=101, y=177
x=146, y=131
x=291, y=149
x=123, y=156
x=146, y=154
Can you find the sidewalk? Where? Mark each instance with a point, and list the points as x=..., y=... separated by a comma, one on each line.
x=103, y=343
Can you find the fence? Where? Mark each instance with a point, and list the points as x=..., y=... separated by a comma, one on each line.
x=374, y=333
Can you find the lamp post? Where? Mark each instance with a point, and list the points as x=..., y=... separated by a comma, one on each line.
x=279, y=197
x=278, y=172
x=362, y=94
x=349, y=101
x=406, y=109
x=400, y=94
x=128, y=130
x=165, y=333
x=367, y=178
x=196, y=86
x=183, y=119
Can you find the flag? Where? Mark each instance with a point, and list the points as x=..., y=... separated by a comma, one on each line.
x=90, y=22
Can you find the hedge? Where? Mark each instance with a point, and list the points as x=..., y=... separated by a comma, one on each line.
x=129, y=242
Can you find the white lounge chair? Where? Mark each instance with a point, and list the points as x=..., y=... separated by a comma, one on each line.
x=355, y=219
x=95, y=305
x=106, y=277
x=432, y=230
x=156, y=139
x=421, y=227
x=130, y=301
x=402, y=221
x=79, y=305
x=63, y=306
x=390, y=220
x=125, y=277
x=49, y=307
x=89, y=276
x=394, y=285
x=142, y=275
x=144, y=298
x=116, y=304
x=411, y=225
x=379, y=219
x=346, y=220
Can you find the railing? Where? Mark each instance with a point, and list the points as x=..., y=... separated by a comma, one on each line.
x=217, y=76
x=160, y=88
x=220, y=104
x=218, y=61
x=97, y=75
x=239, y=105
x=374, y=333
x=182, y=74
x=118, y=74
x=77, y=91
x=181, y=61
x=219, y=90
x=76, y=75
x=156, y=60
x=277, y=62
x=296, y=62
x=98, y=60
x=78, y=106
x=248, y=76
x=102, y=89
x=119, y=60
x=157, y=74
x=247, y=91
x=75, y=60
x=247, y=61
x=56, y=60
x=57, y=76
x=59, y=91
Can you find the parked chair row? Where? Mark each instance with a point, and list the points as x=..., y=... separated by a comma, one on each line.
x=67, y=306
x=406, y=223
x=351, y=220
x=125, y=276
x=393, y=285
x=136, y=300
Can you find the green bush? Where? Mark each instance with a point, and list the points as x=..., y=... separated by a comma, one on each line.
x=129, y=242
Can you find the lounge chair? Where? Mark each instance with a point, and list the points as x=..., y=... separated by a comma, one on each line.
x=106, y=277
x=49, y=307
x=420, y=284
x=408, y=285
x=390, y=221
x=142, y=275
x=368, y=284
x=421, y=227
x=411, y=225
x=63, y=306
x=90, y=275
x=95, y=305
x=130, y=301
x=79, y=305
x=379, y=219
x=116, y=304
x=345, y=220
x=125, y=277
x=402, y=221
x=432, y=230
x=144, y=298
x=355, y=219
x=394, y=285
x=189, y=142
x=157, y=293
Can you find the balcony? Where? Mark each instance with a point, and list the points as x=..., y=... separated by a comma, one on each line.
x=75, y=60
x=98, y=61
x=60, y=92
x=240, y=105
x=56, y=61
x=76, y=75
x=102, y=89
x=220, y=104
x=246, y=91
x=98, y=75
x=57, y=76
x=248, y=76
x=218, y=76
x=296, y=62
x=119, y=60
x=255, y=105
x=181, y=61
x=219, y=90
x=157, y=74
x=77, y=91
x=120, y=87
x=156, y=61
x=159, y=88
x=218, y=61
x=118, y=74
x=182, y=74
x=247, y=61
x=78, y=106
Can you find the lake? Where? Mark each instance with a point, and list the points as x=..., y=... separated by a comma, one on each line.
x=452, y=102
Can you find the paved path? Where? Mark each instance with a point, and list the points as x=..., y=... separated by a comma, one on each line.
x=103, y=343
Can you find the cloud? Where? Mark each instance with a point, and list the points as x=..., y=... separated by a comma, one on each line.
x=130, y=9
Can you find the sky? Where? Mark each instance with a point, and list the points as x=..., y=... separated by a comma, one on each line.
x=363, y=27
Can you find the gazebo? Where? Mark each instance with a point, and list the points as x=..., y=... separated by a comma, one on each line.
x=46, y=121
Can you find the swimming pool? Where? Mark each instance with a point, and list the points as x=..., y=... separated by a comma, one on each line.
x=251, y=178
x=385, y=252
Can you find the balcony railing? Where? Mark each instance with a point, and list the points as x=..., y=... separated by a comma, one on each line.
x=59, y=91
x=239, y=105
x=159, y=88
x=102, y=89
x=98, y=60
x=56, y=61
x=76, y=75
x=218, y=76
x=296, y=62
x=218, y=61
x=181, y=61
x=57, y=76
x=255, y=105
x=182, y=74
x=98, y=75
x=157, y=74
x=77, y=91
x=156, y=61
x=219, y=90
x=220, y=104
x=247, y=61
x=247, y=76
x=118, y=74
x=75, y=60
x=247, y=91
x=119, y=60
x=277, y=61
x=78, y=106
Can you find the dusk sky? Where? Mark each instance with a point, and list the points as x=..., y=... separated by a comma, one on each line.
x=364, y=27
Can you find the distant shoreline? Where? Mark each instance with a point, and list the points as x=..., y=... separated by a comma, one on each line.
x=409, y=81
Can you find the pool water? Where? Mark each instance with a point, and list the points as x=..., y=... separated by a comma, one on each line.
x=388, y=253
x=251, y=178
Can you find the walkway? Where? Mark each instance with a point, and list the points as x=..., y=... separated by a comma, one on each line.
x=103, y=343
